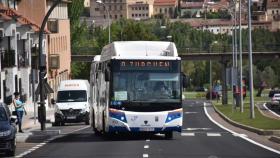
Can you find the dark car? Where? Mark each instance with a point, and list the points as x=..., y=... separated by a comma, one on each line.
x=215, y=95
x=7, y=131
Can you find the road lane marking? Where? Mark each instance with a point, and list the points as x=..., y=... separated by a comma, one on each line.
x=147, y=140
x=146, y=147
x=187, y=134
x=145, y=155
x=274, y=113
x=238, y=135
x=213, y=134
x=28, y=151
x=196, y=129
x=241, y=136
x=191, y=112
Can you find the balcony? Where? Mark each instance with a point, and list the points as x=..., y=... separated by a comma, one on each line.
x=8, y=59
x=23, y=61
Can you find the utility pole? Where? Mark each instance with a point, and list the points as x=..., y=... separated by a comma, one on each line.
x=251, y=85
x=42, y=69
x=240, y=58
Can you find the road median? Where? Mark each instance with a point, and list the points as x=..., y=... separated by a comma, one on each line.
x=266, y=132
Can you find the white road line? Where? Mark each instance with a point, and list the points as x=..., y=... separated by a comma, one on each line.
x=274, y=113
x=148, y=140
x=146, y=147
x=187, y=134
x=196, y=129
x=245, y=138
x=213, y=134
x=238, y=135
x=47, y=141
x=191, y=112
x=145, y=155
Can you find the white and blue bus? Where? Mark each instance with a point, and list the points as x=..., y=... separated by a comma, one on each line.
x=136, y=86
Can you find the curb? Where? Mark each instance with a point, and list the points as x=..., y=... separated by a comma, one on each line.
x=275, y=139
x=249, y=128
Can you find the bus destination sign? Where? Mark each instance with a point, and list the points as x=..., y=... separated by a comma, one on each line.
x=145, y=65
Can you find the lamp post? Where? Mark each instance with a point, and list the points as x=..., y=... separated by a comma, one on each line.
x=252, y=113
x=210, y=69
x=108, y=16
x=240, y=59
x=42, y=68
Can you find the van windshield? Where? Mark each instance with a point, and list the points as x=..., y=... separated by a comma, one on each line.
x=72, y=96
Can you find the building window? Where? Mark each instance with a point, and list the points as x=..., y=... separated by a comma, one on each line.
x=121, y=15
x=96, y=9
x=132, y=8
x=165, y=10
x=136, y=8
x=139, y=15
x=115, y=7
x=109, y=7
x=272, y=11
x=132, y=15
x=147, y=14
x=120, y=1
x=143, y=8
x=277, y=12
x=115, y=1
x=139, y=8
x=147, y=8
x=160, y=10
x=116, y=16
x=121, y=7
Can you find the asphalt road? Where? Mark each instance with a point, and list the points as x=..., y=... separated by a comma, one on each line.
x=200, y=139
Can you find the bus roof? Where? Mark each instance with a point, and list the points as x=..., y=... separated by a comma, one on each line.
x=157, y=50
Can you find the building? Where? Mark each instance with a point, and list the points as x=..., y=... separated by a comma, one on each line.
x=18, y=37
x=167, y=8
x=219, y=26
x=140, y=10
x=115, y=9
x=273, y=13
x=56, y=44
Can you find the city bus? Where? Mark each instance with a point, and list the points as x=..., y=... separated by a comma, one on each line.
x=136, y=86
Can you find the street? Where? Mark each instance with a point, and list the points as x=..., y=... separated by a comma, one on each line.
x=200, y=138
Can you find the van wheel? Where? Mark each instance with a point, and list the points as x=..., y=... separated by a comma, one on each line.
x=103, y=124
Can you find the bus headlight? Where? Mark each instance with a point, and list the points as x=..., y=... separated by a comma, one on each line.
x=117, y=115
x=173, y=115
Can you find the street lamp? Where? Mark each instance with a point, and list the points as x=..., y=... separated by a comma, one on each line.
x=108, y=16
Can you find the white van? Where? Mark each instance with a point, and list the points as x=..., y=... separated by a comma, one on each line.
x=72, y=102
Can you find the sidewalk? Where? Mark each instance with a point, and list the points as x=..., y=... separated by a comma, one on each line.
x=31, y=125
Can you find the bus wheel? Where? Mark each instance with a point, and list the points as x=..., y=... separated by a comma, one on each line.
x=103, y=124
x=168, y=135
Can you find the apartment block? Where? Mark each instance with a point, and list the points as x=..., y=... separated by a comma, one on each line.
x=165, y=7
x=140, y=10
x=20, y=40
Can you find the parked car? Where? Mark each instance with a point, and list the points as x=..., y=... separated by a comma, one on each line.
x=215, y=95
x=7, y=131
x=200, y=89
x=275, y=100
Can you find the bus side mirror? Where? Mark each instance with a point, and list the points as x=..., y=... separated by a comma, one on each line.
x=107, y=75
x=184, y=80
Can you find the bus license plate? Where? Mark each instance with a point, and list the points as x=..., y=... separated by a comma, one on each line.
x=147, y=129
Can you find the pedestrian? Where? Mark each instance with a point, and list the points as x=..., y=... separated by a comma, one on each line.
x=19, y=110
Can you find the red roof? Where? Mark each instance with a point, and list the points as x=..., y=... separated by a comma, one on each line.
x=9, y=14
x=165, y=2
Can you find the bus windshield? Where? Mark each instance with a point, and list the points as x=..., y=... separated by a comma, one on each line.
x=146, y=86
x=72, y=96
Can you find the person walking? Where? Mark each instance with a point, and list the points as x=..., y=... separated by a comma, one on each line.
x=19, y=109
